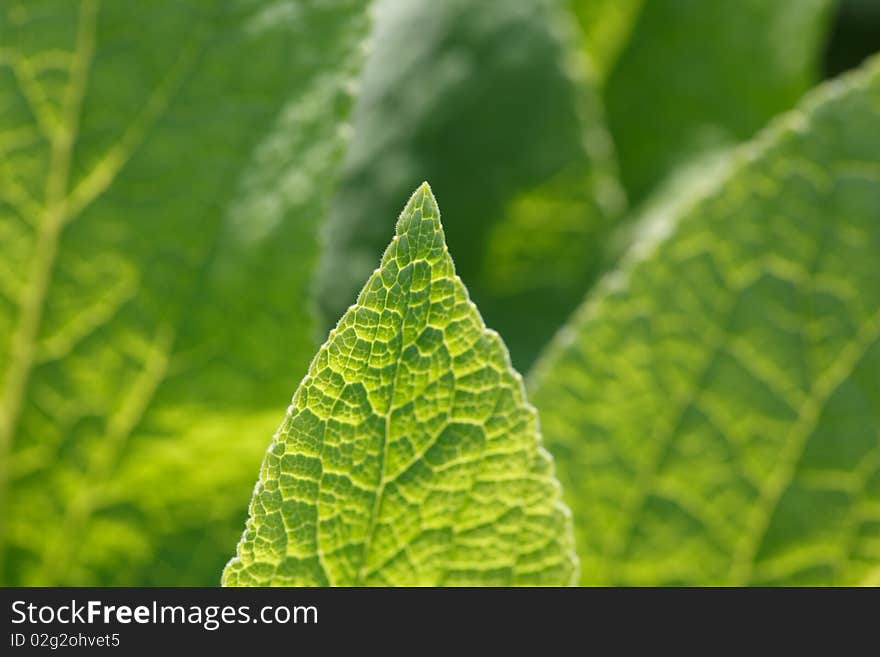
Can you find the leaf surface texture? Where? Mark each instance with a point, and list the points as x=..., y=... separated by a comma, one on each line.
x=713, y=406
x=409, y=455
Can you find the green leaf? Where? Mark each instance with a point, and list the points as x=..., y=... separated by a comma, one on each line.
x=409, y=455
x=697, y=76
x=162, y=175
x=495, y=105
x=714, y=408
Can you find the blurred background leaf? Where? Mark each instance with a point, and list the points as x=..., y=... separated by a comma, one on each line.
x=697, y=76
x=714, y=406
x=164, y=170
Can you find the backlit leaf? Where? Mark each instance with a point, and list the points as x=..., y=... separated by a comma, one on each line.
x=409, y=455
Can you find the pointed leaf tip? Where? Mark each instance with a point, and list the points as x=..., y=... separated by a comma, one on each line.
x=409, y=455
x=421, y=206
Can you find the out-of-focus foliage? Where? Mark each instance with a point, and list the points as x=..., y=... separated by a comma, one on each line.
x=714, y=408
x=605, y=26
x=696, y=76
x=493, y=103
x=163, y=171
x=514, y=142
x=409, y=455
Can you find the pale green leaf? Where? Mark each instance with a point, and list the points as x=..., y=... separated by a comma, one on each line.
x=714, y=407
x=495, y=105
x=696, y=75
x=163, y=169
x=409, y=455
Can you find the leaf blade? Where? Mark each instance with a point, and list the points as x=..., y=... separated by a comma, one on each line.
x=755, y=60
x=173, y=147
x=717, y=399
x=409, y=455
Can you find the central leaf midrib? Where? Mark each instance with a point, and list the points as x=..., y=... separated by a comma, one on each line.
x=377, y=502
